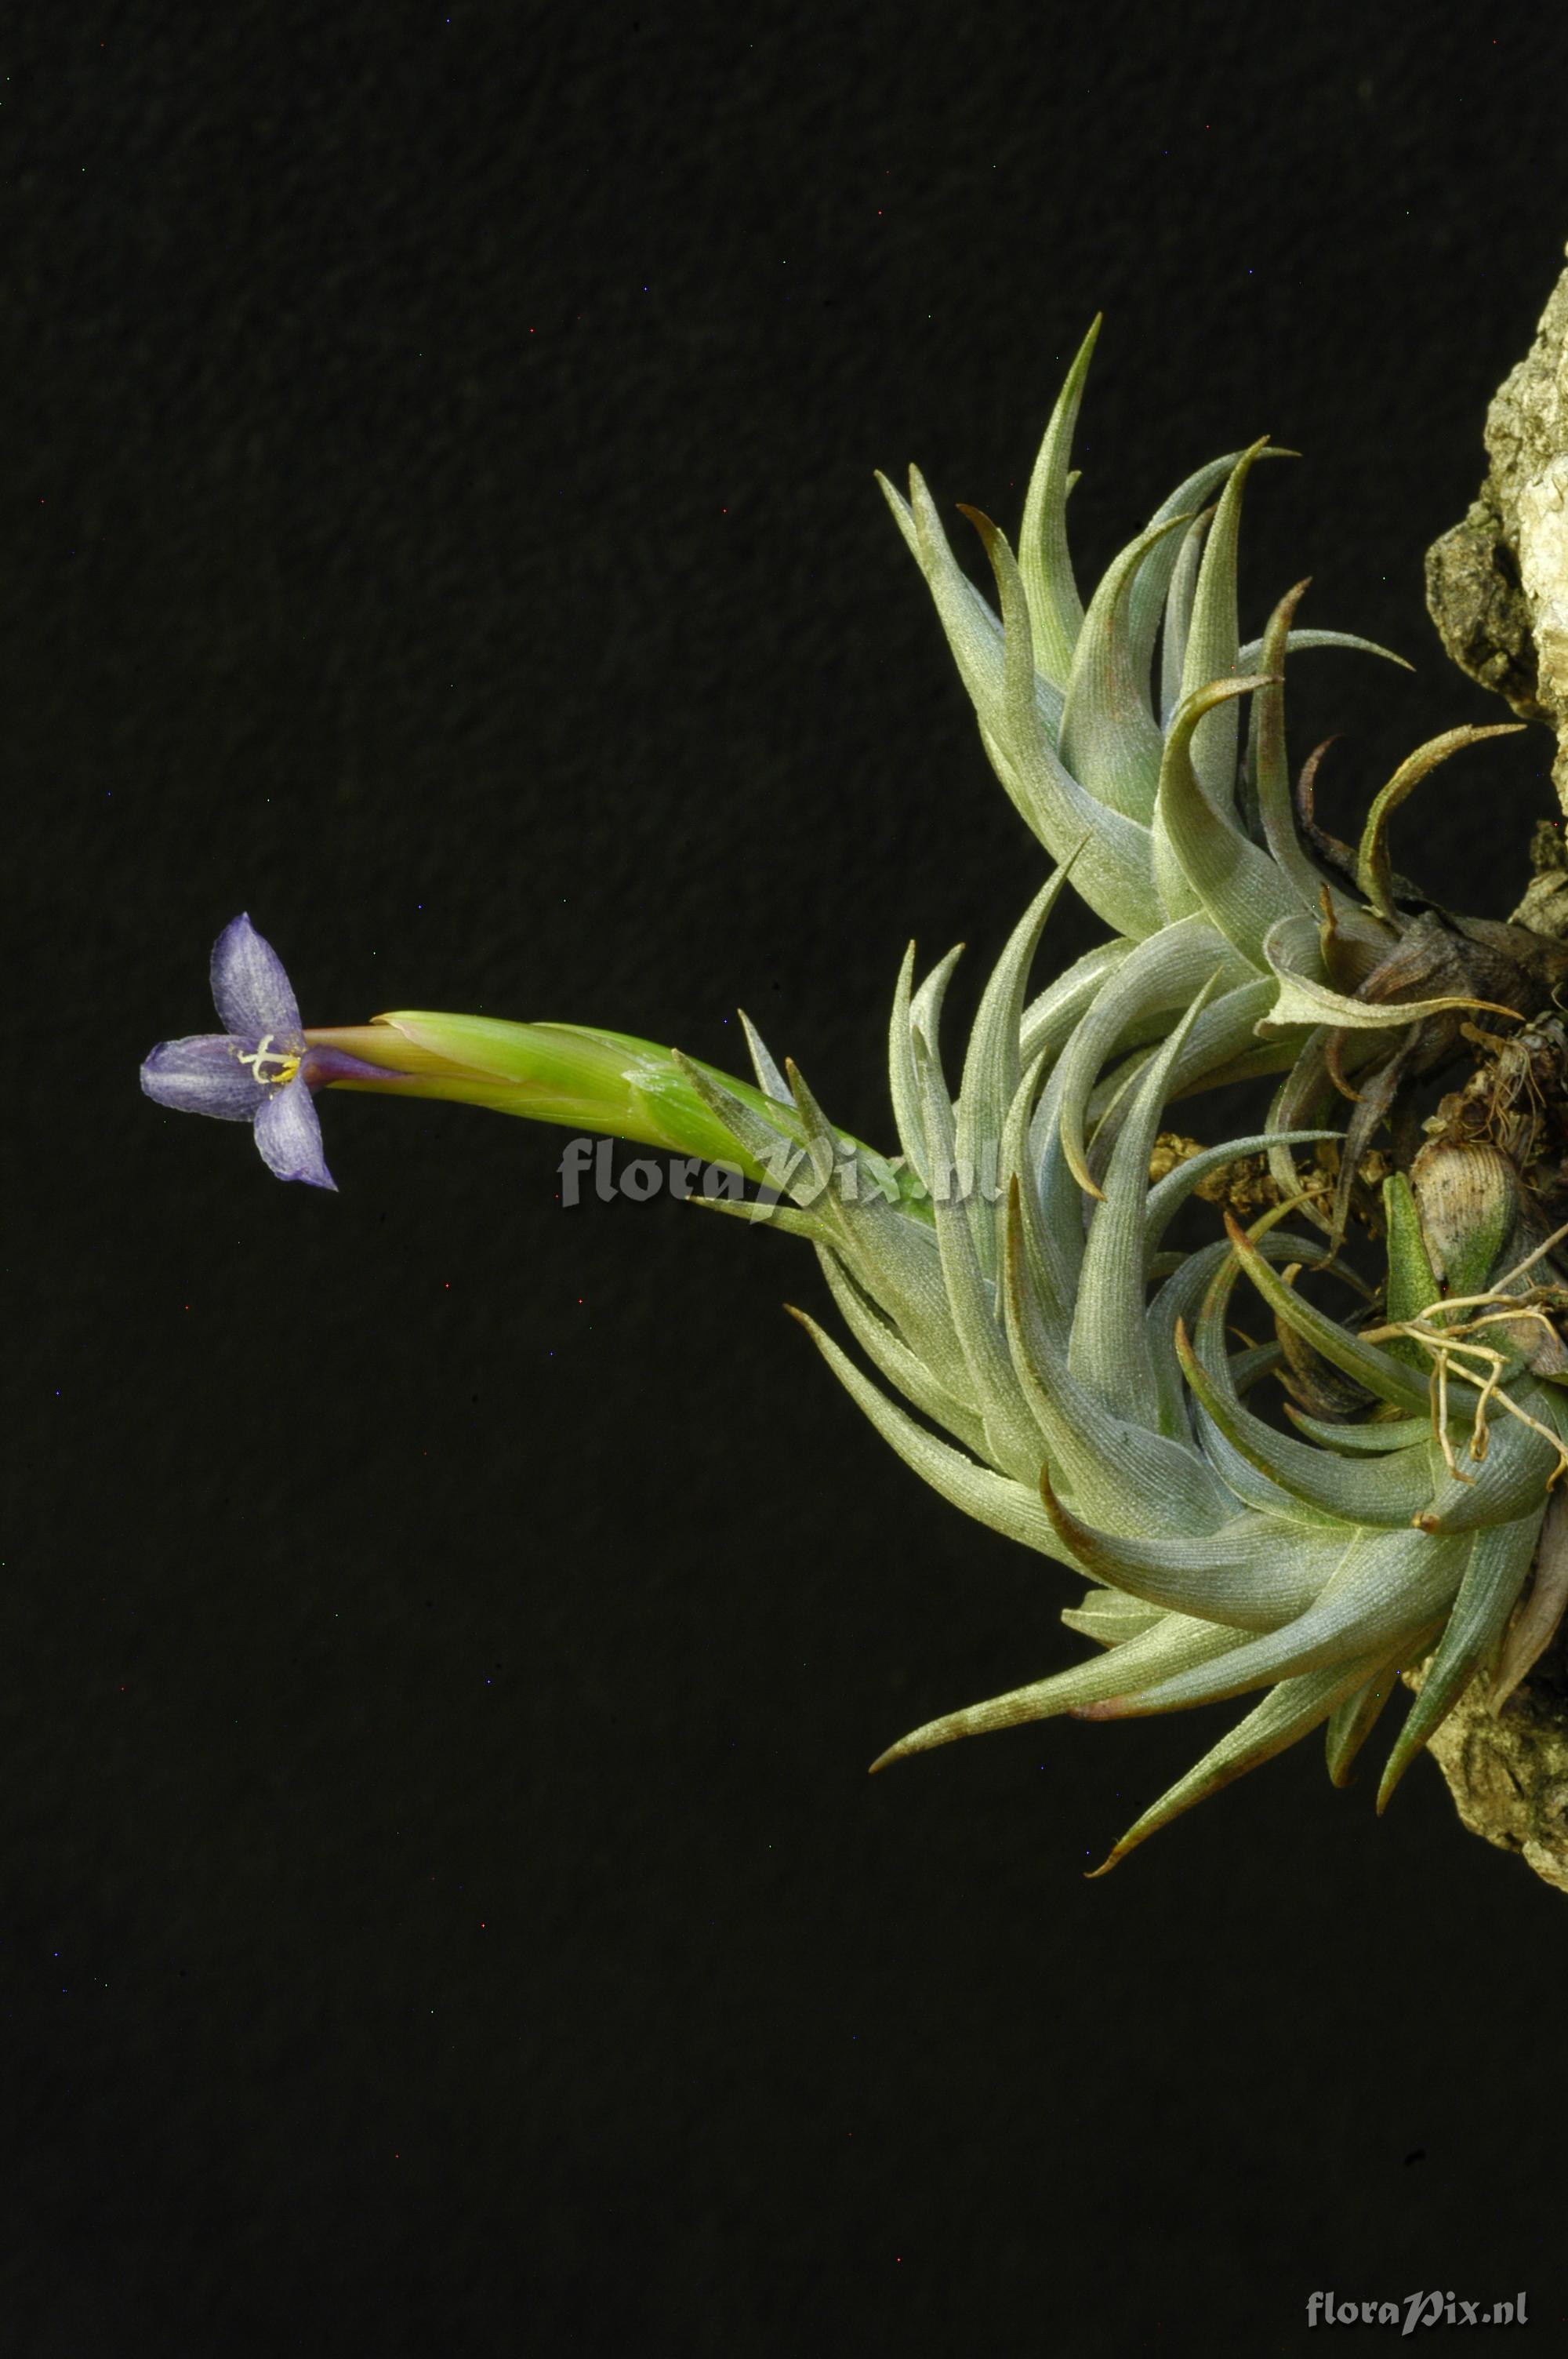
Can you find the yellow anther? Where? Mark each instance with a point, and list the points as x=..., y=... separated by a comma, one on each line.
x=264, y=1053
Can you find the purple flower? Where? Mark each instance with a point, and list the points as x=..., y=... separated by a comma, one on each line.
x=262, y=1069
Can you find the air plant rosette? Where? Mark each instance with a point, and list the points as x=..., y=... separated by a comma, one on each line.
x=1029, y=1341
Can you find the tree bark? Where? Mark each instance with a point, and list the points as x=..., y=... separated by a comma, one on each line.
x=1496, y=588
x=1497, y=584
x=1508, y=1771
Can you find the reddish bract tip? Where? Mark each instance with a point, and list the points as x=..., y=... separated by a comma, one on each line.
x=1109, y=1708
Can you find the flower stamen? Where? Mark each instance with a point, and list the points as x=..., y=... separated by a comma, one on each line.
x=264, y=1053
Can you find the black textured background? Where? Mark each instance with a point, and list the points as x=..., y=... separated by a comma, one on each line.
x=443, y=1904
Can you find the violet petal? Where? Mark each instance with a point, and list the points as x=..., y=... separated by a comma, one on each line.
x=252, y=993
x=288, y=1133
x=203, y=1075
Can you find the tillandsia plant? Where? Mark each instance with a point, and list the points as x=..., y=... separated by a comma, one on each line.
x=1048, y=1361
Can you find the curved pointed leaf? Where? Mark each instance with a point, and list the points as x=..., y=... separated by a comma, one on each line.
x=1374, y=872
x=1498, y=1566
x=1055, y=611
x=1173, y=1644
x=1212, y=643
x=1200, y=853
x=1109, y=738
x=992, y=1499
x=1294, y=1710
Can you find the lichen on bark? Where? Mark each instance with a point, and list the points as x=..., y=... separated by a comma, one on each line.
x=1497, y=587
x=1496, y=582
x=1507, y=1770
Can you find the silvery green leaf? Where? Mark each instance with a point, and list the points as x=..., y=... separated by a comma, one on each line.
x=770, y=1081
x=1367, y=1363
x=1179, y=614
x=1498, y=1570
x=1150, y=602
x=1115, y=876
x=1112, y=861
x=1053, y=1249
x=1201, y=856
x=1390, y=1588
x=1055, y=611
x=1122, y=1477
x=1109, y=1352
x=761, y=1212
x=1212, y=643
x=1161, y=977
x=1180, y=1299
x=1110, y=1617
x=1217, y=1037
x=1371, y=1439
x=1063, y=1209
x=893, y=1358
x=1391, y=1489
x=969, y=624
x=1048, y=1021
x=992, y=1067
x=922, y=1011
x=1173, y=1644
x=1008, y=1508
x=1374, y=873
x=1249, y=1575
x=1250, y=656
x=1353, y=1719
x=1109, y=738
x=1291, y=1712
x=1270, y=773
x=959, y=1212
